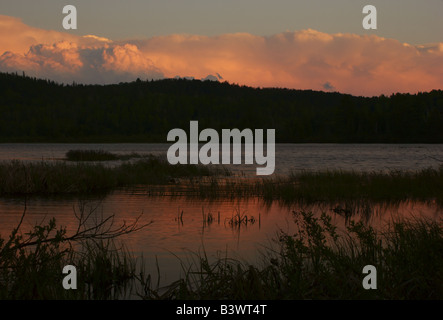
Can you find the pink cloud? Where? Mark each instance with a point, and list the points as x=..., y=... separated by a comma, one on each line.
x=66, y=58
x=306, y=59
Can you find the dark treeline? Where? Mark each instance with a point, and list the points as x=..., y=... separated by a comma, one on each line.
x=33, y=110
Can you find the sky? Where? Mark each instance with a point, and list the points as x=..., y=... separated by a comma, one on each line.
x=308, y=44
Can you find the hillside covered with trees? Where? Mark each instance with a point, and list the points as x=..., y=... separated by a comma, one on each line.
x=33, y=110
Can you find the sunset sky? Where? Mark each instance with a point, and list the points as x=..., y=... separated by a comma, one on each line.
x=309, y=44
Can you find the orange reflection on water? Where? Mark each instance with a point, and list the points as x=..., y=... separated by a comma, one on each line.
x=181, y=227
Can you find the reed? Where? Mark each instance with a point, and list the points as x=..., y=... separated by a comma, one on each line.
x=239, y=219
x=18, y=177
x=207, y=218
x=54, y=177
x=322, y=262
x=318, y=261
x=99, y=155
x=328, y=186
x=90, y=155
x=31, y=263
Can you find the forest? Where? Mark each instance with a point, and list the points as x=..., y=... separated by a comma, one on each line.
x=38, y=110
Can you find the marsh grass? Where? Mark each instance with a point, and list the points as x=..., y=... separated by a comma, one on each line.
x=213, y=182
x=108, y=270
x=348, y=185
x=31, y=263
x=321, y=262
x=54, y=177
x=207, y=218
x=324, y=186
x=316, y=261
x=240, y=218
x=43, y=177
x=99, y=155
x=380, y=186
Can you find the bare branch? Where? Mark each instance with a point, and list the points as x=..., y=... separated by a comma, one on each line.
x=101, y=230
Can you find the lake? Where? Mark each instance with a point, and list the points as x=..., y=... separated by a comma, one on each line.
x=172, y=240
x=289, y=157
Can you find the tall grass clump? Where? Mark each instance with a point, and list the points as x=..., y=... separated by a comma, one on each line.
x=324, y=186
x=99, y=155
x=43, y=177
x=426, y=184
x=54, y=177
x=318, y=261
x=90, y=155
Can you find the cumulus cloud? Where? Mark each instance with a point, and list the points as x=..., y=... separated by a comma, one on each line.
x=66, y=62
x=360, y=65
x=66, y=58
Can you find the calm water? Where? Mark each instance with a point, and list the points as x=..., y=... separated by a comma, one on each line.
x=289, y=157
x=170, y=239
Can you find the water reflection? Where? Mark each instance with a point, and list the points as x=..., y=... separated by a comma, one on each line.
x=239, y=228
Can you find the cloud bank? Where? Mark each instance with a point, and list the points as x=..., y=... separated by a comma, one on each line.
x=67, y=58
x=306, y=59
